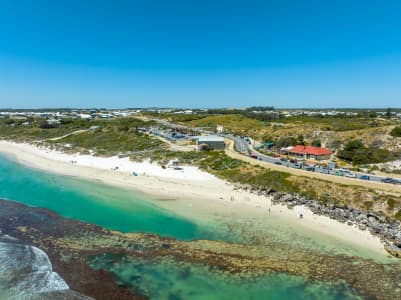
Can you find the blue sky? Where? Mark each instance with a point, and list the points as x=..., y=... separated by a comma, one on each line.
x=82, y=53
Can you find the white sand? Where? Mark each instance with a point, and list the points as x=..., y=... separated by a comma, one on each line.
x=195, y=190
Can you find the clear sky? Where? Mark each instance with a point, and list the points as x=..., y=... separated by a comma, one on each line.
x=200, y=53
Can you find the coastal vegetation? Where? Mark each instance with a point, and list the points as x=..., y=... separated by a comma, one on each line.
x=103, y=137
x=357, y=153
x=31, y=130
x=338, y=123
x=396, y=131
x=114, y=137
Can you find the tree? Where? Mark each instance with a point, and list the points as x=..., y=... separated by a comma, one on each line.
x=396, y=132
x=353, y=145
x=43, y=124
x=286, y=141
x=301, y=140
x=317, y=143
x=388, y=113
x=356, y=152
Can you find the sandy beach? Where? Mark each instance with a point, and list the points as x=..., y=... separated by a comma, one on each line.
x=194, y=190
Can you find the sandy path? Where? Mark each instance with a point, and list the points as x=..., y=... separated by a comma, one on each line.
x=68, y=134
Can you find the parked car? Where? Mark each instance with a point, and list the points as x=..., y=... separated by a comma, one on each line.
x=387, y=180
x=337, y=173
x=397, y=181
x=277, y=163
x=324, y=171
x=344, y=170
x=365, y=177
x=254, y=156
x=350, y=175
x=297, y=166
x=293, y=161
x=283, y=159
x=309, y=168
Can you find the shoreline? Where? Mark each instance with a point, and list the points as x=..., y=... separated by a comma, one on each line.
x=199, y=191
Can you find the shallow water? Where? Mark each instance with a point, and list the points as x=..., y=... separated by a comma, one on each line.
x=127, y=211
x=168, y=280
x=95, y=203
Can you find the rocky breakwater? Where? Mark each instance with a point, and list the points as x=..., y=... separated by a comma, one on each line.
x=389, y=231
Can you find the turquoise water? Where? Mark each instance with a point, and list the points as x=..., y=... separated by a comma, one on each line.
x=110, y=207
x=168, y=280
x=126, y=211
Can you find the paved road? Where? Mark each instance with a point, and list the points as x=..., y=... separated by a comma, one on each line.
x=242, y=146
x=244, y=149
x=313, y=175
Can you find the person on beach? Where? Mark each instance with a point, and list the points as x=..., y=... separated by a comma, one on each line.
x=301, y=216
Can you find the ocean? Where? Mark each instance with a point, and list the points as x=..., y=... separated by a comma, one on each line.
x=127, y=211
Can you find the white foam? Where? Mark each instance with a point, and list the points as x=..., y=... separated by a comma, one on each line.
x=26, y=271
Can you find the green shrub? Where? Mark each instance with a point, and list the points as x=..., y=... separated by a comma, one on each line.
x=317, y=143
x=356, y=152
x=391, y=203
x=396, y=132
x=398, y=215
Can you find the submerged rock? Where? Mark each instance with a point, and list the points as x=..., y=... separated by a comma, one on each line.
x=79, y=241
x=393, y=250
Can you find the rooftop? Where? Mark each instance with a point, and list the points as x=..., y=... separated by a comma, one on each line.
x=210, y=138
x=299, y=149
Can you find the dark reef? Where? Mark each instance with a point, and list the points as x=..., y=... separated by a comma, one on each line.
x=70, y=243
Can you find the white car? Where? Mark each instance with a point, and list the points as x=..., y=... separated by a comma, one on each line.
x=350, y=175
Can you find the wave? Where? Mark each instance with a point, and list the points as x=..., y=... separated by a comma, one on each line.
x=26, y=273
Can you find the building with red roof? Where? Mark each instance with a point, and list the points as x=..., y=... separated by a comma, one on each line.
x=308, y=152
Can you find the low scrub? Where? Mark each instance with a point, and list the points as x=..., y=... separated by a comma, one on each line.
x=357, y=153
x=396, y=132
